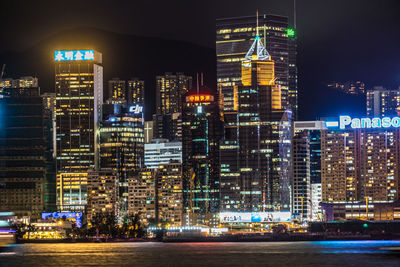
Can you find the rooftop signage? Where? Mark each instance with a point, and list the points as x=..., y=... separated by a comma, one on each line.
x=136, y=109
x=74, y=55
x=199, y=98
x=363, y=123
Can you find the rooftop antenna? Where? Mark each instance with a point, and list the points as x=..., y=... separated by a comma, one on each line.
x=202, y=79
x=294, y=13
x=197, y=78
x=257, y=33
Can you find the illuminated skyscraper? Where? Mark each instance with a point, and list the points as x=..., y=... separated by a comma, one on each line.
x=161, y=151
x=135, y=91
x=122, y=145
x=255, y=154
x=27, y=171
x=116, y=89
x=79, y=95
x=202, y=131
x=170, y=89
x=235, y=35
x=360, y=168
x=306, y=168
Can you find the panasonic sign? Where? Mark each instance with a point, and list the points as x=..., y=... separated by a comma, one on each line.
x=364, y=123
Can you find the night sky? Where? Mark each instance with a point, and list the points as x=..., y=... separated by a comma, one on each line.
x=338, y=40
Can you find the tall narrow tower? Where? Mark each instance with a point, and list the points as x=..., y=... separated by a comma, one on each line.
x=79, y=95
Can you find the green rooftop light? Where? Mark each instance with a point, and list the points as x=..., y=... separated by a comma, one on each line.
x=290, y=32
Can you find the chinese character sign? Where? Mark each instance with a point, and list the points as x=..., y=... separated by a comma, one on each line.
x=74, y=55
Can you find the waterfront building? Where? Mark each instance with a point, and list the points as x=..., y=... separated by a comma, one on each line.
x=161, y=151
x=135, y=91
x=27, y=166
x=201, y=133
x=142, y=195
x=306, y=168
x=255, y=165
x=383, y=102
x=169, y=198
x=122, y=144
x=116, y=89
x=316, y=198
x=359, y=167
x=79, y=95
x=103, y=195
x=235, y=35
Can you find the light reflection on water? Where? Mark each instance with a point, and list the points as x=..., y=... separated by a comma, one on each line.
x=321, y=253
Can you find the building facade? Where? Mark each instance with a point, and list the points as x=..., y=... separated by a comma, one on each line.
x=360, y=162
x=161, y=151
x=306, y=169
x=79, y=96
x=201, y=132
x=116, y=89
x=27, y=166
x=103, y=195
x=383, y=102
x=135, y=91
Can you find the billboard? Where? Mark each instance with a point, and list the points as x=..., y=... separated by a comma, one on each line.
x=254, y=217
x=363, y=123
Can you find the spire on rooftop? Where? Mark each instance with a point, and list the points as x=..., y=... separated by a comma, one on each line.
x=257, y=48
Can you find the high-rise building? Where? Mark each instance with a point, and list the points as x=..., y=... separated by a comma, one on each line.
x=79, y=96
x=382, y=102
x=169, y=91
x=160, y=152
x=169, y=199
x=27, y=166
x=306, y=168
x=116, y=89
x=135, y=91
x=156, y=194
x=360, y=162
x=235, y=35
x=255, y=153
x=142, y=195
x=103, y=193
x=201, y=131
x=168, y=126
x=122, y=145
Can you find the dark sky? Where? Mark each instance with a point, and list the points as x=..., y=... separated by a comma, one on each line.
x=338, y=39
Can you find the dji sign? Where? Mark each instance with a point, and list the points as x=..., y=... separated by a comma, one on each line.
x=136, y=109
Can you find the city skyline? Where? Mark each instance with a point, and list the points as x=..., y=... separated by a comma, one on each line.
x=286, y=128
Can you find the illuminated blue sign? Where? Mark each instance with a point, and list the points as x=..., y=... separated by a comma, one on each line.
x=56, y=215
x=74, y=55
x=136, y=109
x=364, y=123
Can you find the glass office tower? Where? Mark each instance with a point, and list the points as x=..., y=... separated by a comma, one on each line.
x=79, y=95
